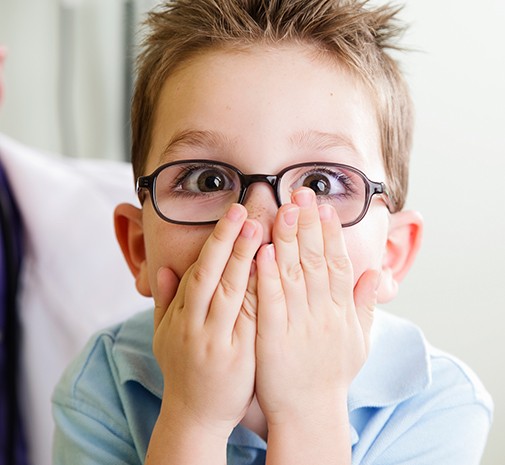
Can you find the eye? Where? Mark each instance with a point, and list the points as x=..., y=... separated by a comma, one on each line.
x=325, y=182
x=319, y=183
x=204, y=179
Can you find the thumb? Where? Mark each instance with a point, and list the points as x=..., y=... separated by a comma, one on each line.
x=365, y=299
x=167, y=283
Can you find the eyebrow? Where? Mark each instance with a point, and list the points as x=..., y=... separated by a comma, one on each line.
x=322, y=140
x=196, y=139
x=305, y=139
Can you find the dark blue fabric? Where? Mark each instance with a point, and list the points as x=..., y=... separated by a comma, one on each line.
x=12, y=445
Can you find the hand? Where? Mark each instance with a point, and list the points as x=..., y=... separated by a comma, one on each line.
x=205, y=335
x=313, y=330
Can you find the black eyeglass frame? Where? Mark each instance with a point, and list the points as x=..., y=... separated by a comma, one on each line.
x=149, y=182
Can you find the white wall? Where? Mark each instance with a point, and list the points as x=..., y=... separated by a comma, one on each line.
x=65, y=74
x=29, y=29
x=455, y=291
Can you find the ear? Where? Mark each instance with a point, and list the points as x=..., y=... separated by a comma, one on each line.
x=404, y=240
x=130, y=235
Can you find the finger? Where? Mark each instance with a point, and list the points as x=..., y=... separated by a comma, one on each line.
x=337, y=260
x=245, y=328
x=230, y=291
x=167, y=285
x=208, y=268
x=311, y=246
x=284, y=235
x=272, y=312
x=250, y=303
x=365, y=298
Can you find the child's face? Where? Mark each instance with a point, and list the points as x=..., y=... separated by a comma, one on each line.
x=262, y=110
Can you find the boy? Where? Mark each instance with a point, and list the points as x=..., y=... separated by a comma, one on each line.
x=265, y=284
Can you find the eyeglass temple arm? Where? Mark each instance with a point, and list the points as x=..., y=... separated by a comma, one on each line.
x=143, y=182
x=379, y=188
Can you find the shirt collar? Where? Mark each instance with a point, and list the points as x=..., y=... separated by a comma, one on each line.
x=398, y=365
x=134, y=356
x=397, y=368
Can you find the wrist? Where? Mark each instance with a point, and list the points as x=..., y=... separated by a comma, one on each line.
x=186, y=419
x=322, y=410
x=179, y=438
x=324, y=433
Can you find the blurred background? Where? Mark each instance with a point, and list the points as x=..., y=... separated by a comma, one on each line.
x=68, y=78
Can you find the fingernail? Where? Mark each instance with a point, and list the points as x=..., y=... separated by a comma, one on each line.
x=326, y=212
x=290, y=216
x=235, y=212
x=270, y=251
x=248, y=229
x=304, y=197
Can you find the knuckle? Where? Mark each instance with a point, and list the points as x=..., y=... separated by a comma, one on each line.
x=219, y=235
x=293, y=271
x=308, y=220
x=313, y=261
x=200, y=274
x=286, y=237
x=341, y=264
x=228, y=287
x=241, y=254
x=222, y=233
x=248, y=309
x=277, y=298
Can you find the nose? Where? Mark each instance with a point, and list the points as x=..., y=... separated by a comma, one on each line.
x=261, y=205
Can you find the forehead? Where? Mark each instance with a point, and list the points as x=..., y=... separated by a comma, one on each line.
x=268, y=105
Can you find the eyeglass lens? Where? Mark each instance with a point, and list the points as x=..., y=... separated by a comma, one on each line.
x=201, y=192
x=196, y=192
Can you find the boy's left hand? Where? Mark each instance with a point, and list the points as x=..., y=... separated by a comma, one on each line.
x=313, y=328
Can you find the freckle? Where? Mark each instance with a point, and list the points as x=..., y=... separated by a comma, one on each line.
x=257, y=212
x=331, y=94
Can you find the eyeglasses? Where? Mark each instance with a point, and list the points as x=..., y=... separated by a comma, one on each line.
x=197, y=192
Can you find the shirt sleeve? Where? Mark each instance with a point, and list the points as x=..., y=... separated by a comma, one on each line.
x=89, y=438
x=91, y=425
x=446, y=424
x=452, y=436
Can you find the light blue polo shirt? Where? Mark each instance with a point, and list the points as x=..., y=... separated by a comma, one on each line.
x=411, y=404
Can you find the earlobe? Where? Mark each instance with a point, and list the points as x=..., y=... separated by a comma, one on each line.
x=404, y=240
x=130, y=235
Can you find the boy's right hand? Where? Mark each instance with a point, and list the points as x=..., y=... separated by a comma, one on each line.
x=204, y=339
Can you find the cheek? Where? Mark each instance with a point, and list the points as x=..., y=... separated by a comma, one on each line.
x=176, y=247
x=362, y=258
x=366, y=246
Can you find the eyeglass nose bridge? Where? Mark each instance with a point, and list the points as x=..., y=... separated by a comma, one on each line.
x=271, y=179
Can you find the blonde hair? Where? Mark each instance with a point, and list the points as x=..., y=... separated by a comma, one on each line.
x=357, y=35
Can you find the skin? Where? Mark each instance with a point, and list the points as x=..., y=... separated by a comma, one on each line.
x=265, y=318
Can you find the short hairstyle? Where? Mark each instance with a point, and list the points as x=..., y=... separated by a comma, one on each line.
x=357, y=35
